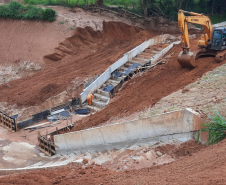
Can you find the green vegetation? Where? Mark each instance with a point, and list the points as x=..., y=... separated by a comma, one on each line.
x=120, y=3
x=169, y=8
x=217, y=18
x=216, y=129
x=72, y=28
x=132, y=5
x=165, y=8
x=16, y=10
x=69, y=3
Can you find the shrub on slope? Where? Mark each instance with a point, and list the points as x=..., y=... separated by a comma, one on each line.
x=216, y=129
x=16, y=10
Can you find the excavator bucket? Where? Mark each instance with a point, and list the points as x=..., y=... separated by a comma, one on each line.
x=186, y=59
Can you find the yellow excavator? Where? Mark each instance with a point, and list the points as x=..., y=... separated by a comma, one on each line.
x=211, y=43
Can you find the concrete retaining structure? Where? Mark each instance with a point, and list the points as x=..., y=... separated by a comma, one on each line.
x=127, y=57
x=163, y=52
x=173, y=125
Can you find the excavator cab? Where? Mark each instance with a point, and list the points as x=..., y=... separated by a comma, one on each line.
x=219, y=39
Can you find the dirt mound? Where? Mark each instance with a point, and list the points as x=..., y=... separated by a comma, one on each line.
x=206, y=166
x=119, y=31
x=147, y=89
x=87, y=40
x=187, y=148
x=29, y=40
x=84, y=54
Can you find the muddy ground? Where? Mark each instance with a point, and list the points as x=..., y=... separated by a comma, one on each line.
x=202, y=166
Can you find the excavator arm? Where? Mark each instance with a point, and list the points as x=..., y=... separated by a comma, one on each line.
x=186, y=57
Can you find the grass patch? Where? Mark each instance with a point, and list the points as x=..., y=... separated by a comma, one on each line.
x=69, y=3
x=154, y=113
x=72, y=28
x=171, y=108
x=120, y=3
x=130, y=5
x=16, y=10
x=216, y=129
x=217, y=18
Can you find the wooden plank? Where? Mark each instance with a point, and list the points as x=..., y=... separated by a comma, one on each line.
x=47, y=147
x=34, y=126
x=45, y=152
x=46, y=141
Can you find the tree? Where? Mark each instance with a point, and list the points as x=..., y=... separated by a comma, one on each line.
x=134, y=2
x=99, y=2
x=213, y=6
x=143, y=4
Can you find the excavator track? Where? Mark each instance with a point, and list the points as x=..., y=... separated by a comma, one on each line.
x=221, y=56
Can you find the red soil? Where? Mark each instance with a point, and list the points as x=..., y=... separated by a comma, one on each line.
x=29, y=40
x=146, y=90
x=203, y=166
x=187, y=148
x=86, y=53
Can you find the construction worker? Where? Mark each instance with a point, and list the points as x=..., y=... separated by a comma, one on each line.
x=89, y=99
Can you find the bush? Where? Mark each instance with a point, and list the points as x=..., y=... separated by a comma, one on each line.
x=16, y=10
x=48, y=14
x=216, y=129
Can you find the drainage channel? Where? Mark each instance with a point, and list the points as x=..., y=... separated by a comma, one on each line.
x=145, y=60
x=139, y=63
x=104, y=87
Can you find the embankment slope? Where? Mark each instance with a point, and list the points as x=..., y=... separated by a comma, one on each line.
x=86, y=53
x=147, y=89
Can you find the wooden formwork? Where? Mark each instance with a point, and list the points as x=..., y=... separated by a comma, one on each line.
x=46, y=146
x=8, y=122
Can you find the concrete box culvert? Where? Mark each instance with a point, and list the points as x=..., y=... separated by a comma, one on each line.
x=178, y=124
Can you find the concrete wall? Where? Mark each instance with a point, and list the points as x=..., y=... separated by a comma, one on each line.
x=163, y=52
x=147, y=129
x=127, y=57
